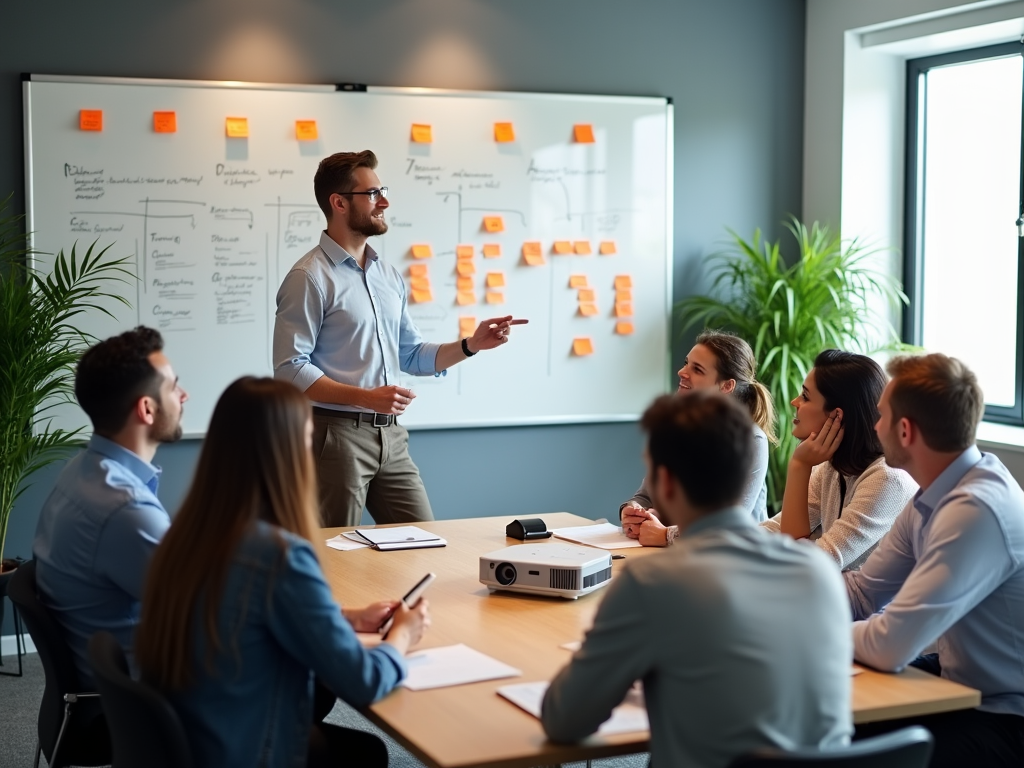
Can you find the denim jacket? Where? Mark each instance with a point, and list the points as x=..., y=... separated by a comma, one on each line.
x=278, y=626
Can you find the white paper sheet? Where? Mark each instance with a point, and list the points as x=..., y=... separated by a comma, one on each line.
x=630, y=716
x=402, y=537
x=453, y=665
x=572, y=645
x=343, y=544
x=601, y=535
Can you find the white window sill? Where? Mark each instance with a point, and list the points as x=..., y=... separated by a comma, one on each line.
x=1001, y=436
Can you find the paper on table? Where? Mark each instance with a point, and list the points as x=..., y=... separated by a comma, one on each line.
x=855, y=670
x=601, y=535
x=453, y=665
x=402, y=537
x=344, y=543
x=630, y=716
x=572, y=645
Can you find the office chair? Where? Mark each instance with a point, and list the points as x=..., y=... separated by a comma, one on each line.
x=906, y=748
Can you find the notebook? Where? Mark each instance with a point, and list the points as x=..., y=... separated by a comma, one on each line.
x=402, y=537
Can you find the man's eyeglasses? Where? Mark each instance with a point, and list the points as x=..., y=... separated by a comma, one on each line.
x=373, y=194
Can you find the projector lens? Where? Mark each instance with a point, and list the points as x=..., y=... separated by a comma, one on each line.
x=505, y=574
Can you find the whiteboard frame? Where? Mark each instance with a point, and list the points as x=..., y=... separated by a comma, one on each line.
x=28, y=79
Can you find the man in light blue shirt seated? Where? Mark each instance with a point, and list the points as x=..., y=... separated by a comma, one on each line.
x=951, y=569
x=100, y=524
x=741, y=639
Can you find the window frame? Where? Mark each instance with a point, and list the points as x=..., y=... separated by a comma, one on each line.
x=913, y=215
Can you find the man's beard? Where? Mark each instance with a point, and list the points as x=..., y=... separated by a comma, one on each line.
x=896, y=456
x=164, y=430
x=365, y=224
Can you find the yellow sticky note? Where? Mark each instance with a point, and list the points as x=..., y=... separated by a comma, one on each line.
x=582, y=346
x=237, y=127
x=492, y=251
x=503, y=132
x=418, y=270
x=305, y=130
x=90, y=120
x=467, y=325
x=421, y=296
x=577, y=281
x=587, y=294
x=464, y=283
x=562, y=247
x=422, y=251
x=607, y=248
x=494, y=224
x=583, y=133
x=463, y=252
x=465, y=268
x=588, y=309
x=422, y=133
x=420, y=283
x=623, y=309
x=465, y=298
x=495, y=279
x=532, y=253
x=622, y=282
x=582, y=248
x=624, y=295
x=165, y=122
x=495, y=297
x=624, y=328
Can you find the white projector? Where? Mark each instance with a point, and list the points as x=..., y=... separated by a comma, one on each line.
x=561, y=570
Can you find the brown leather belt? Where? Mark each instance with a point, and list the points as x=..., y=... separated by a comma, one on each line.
x=376, y=419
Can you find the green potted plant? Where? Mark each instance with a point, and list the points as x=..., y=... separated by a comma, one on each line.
x=39, y=346
x=790, y=310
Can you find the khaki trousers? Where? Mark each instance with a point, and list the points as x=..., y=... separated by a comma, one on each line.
x=360, y=465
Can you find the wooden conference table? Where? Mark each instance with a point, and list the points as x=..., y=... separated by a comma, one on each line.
x=470, y=725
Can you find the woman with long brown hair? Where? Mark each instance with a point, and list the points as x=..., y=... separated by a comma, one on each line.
x=236, y=615
x=724, y=362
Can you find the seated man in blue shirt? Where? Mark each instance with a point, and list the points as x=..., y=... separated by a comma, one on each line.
x=100, y=524
x=741, y=639
x=951, y=569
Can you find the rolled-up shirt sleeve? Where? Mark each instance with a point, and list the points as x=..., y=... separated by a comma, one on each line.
x=300, y=315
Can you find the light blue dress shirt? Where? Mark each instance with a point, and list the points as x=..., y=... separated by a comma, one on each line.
x=96, y=534
x=349, y=324
x=950, y=570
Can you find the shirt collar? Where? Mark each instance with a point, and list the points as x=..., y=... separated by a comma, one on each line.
x=926, y=499
x=730, y=517
x=338, y=255
x=148, y=473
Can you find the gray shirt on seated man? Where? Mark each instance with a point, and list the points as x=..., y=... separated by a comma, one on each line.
x=741, y=640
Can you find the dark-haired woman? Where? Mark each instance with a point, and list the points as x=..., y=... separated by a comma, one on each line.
x=236, y=615
x=723, y=362
x=838, y=486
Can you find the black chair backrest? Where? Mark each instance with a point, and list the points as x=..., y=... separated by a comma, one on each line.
x=58, y=662
x=906, y=748
x=144, y=728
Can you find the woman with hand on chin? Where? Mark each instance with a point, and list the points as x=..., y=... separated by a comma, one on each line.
x=726, y=363
x=838, y=487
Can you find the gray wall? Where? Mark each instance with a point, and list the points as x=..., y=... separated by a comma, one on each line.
x=734, y=69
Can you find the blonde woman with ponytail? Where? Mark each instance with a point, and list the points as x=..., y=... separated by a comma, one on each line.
x=724, y=362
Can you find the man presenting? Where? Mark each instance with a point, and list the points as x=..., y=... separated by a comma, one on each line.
x=342, y=335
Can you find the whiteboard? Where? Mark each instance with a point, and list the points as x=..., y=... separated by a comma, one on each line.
x=212, y=224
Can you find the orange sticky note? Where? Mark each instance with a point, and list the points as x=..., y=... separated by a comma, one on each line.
x=420, y=283
x=418, y=270
x=495, y=297
x=463, y=252
x=165, y=122
x=582, y=247
x=532, y=254
x=624, y=328
x=421, y=296
x=577, y=281
x=494, y=224
x=587, y=294
x=465, y=268
x=624, y=295
x=422, y=251
x=465, y=298
x=90, y=120
x=237, y=127
x=623, y=309
x=588, y=309
x=492, y=251
x=305, y=130
x=607, y=248
x=495, y=279
x=583, y=133
x=467, y=325
x=422, y=133
x=622, y=282
x=464, y=283
x=533, y=260
x=503, y=132
x=582, y=346
x=562, y=247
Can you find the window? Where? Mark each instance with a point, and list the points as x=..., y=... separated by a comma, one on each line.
x=965, y=189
